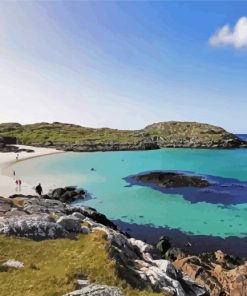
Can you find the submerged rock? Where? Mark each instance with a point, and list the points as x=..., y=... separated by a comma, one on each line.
x=172, y=179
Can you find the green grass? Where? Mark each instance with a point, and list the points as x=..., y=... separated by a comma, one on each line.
x=61, y=132
x=52, y=266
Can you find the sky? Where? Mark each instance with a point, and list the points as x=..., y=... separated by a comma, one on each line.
x=124, y=64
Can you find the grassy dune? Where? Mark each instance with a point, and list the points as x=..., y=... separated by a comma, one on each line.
x=52, y=266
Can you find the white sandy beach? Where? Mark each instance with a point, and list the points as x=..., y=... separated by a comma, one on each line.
x=7, y=183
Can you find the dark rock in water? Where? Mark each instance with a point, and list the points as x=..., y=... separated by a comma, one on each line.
x=163, y=244
x=172, y=179
x=67, y=194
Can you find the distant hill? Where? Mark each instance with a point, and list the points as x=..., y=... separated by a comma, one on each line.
x=158, y=135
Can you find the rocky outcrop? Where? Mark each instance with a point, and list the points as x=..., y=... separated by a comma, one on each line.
x=6, y=145
x=37, y=227
x=64, y=195
x=93, y=146
x=39, y=219
x=138, y=263
x=176, y=134
x=67, y=194
x=215, y=275
x=219, y=273
x=166, y=179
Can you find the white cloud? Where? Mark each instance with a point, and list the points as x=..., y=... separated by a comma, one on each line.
x=236, y=36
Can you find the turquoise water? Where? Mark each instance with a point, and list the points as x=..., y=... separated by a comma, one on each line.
x=143, y=205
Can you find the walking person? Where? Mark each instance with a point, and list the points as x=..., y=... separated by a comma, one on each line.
x=39, y=190
x=16, y=183
x=19, y=183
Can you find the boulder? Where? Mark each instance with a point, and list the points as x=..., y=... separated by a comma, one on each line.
x=5, y=205
x=163, y=244
x=70, y=223
x=135, y=264
x=92, y=214
x=12, y=263
x=67, y=194
x=37, y=227
x=78, y=216
x=96, y=290
x=36, y=206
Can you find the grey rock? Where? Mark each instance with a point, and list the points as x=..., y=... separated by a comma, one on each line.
x=12, y=263
x=36, y=206
x=85, y=230
x=79, y=216
x=92, y=214
x=37, y=227
x=82, y=283
x=96, y=290
x=70, y=223
x=5, y=204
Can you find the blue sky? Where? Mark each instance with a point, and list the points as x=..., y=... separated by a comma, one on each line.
x=123, y=64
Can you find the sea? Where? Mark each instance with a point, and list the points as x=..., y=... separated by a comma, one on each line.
x=206, y=220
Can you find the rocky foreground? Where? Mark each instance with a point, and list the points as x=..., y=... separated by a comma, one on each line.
x=140, y=264
x=172, y=134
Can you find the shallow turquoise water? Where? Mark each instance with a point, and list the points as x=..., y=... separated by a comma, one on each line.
x=144, y=205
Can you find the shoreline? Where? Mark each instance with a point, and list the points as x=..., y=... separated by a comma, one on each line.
x=193, y=244
x=8, y=160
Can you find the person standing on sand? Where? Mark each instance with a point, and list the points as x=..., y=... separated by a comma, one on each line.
x=19, y=183
x=39, y=190
x=17, y=157
x=16, y=188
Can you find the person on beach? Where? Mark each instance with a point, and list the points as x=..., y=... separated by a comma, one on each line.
x=19, y=183
x=17, y=157
x=39, y=190
x=14, y=174
x=16, y=183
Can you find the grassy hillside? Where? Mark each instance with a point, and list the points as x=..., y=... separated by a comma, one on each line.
x=171, y=132
x=61, y=132
x=201, y=132
x=51, y=267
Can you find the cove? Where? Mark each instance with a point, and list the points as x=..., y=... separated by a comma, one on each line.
x=142, y=205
